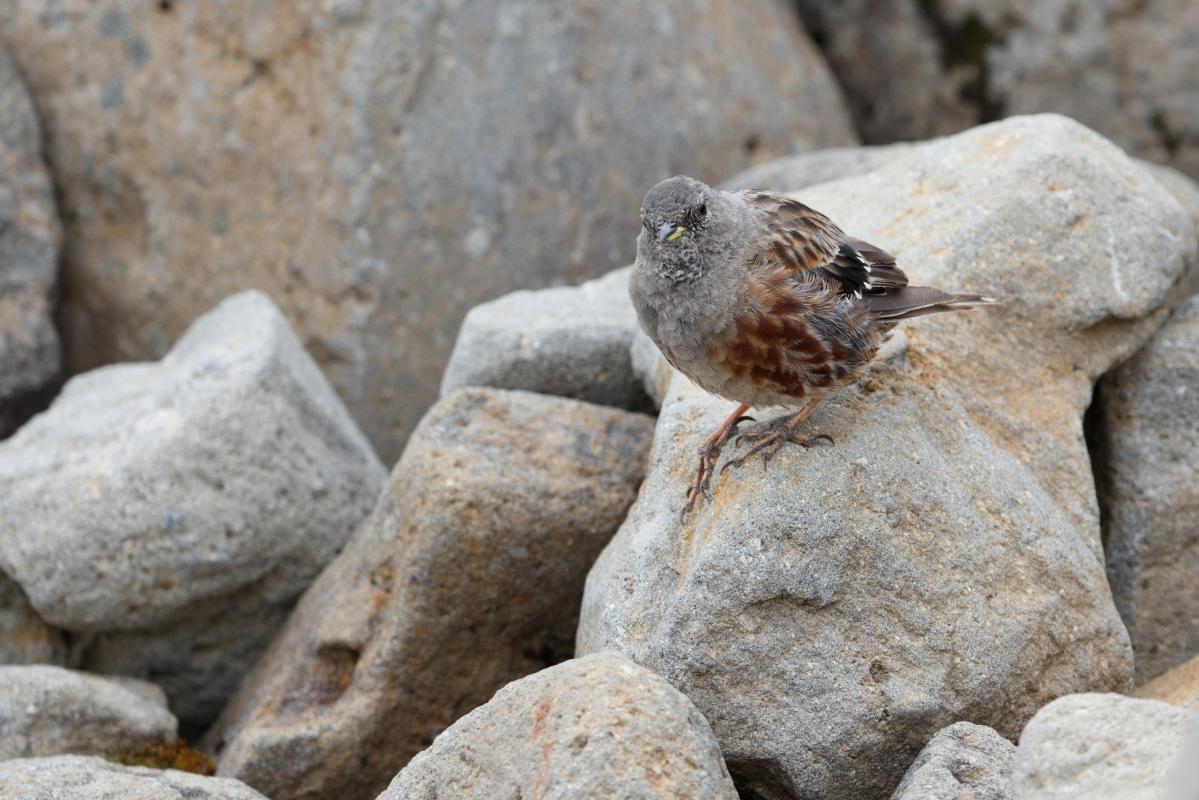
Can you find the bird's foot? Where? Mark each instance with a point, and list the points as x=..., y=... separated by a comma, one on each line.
x=768, y=443
x=709, y=452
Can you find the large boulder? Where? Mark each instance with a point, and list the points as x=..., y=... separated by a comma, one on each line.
x=943, y=560
x=1109, y=746
x=594, y=728
x=91, y=778
x=381, y=166
x=47, y=711
x=962, y=762
x=914, y=68
x=467, y=575
x=25, y=638
x=190, y=500
x=1148, y=442
x=29, y=244
x=571, y=341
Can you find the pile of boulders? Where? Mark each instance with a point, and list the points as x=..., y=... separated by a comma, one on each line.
x=212, y=586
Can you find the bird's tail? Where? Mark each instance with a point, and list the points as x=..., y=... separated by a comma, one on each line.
x=916, y=301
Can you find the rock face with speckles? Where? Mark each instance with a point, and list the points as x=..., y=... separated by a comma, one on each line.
x=467, y=575
x=570, y=341
x=29, y=244
x=1149, y=480
x=380, y=167
x=90, y=778
x=594, y=728
x=169, y=514
x=962, y=762
x=46, y=711
x=943, y=560
x=1109, y=746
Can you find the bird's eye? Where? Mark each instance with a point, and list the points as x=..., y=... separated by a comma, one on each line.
x=701, y=210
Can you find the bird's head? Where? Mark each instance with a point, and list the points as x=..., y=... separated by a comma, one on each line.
x=679, y=225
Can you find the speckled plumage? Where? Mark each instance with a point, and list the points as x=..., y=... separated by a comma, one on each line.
x=761, y=300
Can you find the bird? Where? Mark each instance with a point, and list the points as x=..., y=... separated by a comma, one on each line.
x=765, y=302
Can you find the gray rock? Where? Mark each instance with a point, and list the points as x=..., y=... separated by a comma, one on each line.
x=159, y=498
x=962, y=762
x=467, y=575
x=382, y=167
x=1103, y=745
x=1149, y=488
x=29, y=241
x=90, y=778
x=801, y=170
x=572, y=342
x=46, y=711
x=25, y=638
x=942, y=561
x=1186, y=192
x=913, y=68
x=594, y=728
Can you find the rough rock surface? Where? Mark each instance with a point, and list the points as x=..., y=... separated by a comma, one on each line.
x=382, y=167
x=1103, y=745
x=962, y=762
x=572, y=341
x=169, y=498
x=1179, y=686
x=467, y=575
x=29, y=242
x=1149, y=489
x=90, y=778
x=25, y=638
x=917, y=68
x=594, y=728
x=943, y=561
x=47, y=711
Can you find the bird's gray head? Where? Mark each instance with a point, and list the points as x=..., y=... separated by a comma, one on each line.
x=683, y=228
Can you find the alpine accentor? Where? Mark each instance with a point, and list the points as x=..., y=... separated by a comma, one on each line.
x=761, y=300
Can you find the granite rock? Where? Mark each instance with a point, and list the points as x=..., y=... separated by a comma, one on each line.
x=91, y=778
x=943, y=560
x=30, y=237
x=1179, y=686
x=570, y=341
x=1149, y=489
x=962, y=762
x=155, y=498
x=47, y=711
x=594, y=728
x=467, y=575
x=381, y=167
x=1105, y=745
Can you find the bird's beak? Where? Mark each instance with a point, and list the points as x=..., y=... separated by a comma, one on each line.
x=668, y=232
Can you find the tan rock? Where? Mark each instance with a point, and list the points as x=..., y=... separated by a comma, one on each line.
x=1179, y=686
x=595, y=728
x=942, y=561
x=467, y=575
x=380, y=167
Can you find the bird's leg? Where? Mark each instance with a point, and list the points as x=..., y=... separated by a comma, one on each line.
x=709, y=451
x=775, y=439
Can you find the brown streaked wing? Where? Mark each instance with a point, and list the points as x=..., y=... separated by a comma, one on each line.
x=800, y=239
